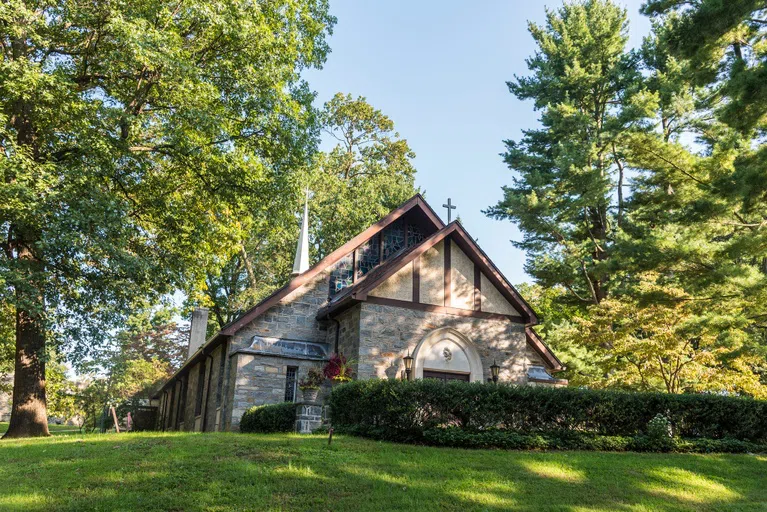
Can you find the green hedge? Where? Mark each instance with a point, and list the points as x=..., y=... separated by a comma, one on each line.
x=269, y=418
x=404, y=411
x=569, y=440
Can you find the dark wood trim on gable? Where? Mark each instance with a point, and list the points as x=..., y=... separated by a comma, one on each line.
x=462, y=238
x=543, y=350
x=477, y=288
x=448, y=274
x=417, y=280
x=452, y=233
x=442, y=309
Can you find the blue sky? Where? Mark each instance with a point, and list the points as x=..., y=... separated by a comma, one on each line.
x=439, y=71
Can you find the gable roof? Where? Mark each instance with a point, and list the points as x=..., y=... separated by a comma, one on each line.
x=456, y=232
x=415, y=202
x=543, y=350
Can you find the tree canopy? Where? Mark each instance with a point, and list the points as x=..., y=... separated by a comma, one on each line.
x=134, y=139
x=368, y=173
x=681, y=268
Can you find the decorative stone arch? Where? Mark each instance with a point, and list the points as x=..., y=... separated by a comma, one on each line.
x=461, y=355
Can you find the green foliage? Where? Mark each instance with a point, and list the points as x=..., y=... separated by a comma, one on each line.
x=313, y=380
x=135, y=138
x=127, y=371
x=669, y=345
x=569, y=440
x=648, y=218
x=269, y=418
x=404, y=411
x=61, y=393
x=7, y=346
x=570, y=172
x=366, y=175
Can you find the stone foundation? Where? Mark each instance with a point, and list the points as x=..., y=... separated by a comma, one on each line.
x=309, y=417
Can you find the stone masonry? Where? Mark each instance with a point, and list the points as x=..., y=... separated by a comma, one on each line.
x=450, y=296
x=387, y=333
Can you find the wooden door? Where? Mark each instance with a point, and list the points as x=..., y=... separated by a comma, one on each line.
x=445, y=376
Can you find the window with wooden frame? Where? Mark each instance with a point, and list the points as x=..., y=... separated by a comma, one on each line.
x=291, y=380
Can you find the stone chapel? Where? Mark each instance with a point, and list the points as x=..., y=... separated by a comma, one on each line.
x=407, y=285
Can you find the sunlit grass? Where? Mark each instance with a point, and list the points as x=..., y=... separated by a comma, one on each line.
x=556, y=470
x=684, y=485
x=219, y=472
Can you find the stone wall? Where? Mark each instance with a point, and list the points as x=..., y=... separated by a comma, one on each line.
x=387, y=333
x=261, y=379
x=257, y=379
x=214, y=387
x=292, y=318
x=230, y=383
x=349, y=336
x=191, y=397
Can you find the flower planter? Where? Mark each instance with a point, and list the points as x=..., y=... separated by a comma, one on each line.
x=310, y=395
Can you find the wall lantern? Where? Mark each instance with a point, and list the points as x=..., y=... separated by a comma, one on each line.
x=494, y=370
x=408, y=364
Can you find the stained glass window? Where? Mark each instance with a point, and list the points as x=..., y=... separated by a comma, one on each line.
x=414, y=235
x=369, y=255
x=342, y=276
x=393, y=239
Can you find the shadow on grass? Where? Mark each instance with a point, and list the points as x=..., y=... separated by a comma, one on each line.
x=172, y=471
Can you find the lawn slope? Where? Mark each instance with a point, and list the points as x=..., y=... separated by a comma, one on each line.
x=176, y=471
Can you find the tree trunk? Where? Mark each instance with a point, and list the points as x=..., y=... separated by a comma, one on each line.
x=29, y=417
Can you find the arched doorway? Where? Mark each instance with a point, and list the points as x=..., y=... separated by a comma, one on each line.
x=447, y=354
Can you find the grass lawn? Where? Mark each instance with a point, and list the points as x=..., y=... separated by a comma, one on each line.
x=177, y=471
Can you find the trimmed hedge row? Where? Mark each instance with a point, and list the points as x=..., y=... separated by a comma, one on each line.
x=453, y=436
x=269, y=418
x=404, y=411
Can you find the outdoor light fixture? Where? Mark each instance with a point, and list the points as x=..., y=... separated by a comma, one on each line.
x=494, y=370
x=408, y=365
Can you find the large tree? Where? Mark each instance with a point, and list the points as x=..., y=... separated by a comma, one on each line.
x=711, y=220
x=682, y=268
x=366, y=174
x=133, y=136
x=567, y=196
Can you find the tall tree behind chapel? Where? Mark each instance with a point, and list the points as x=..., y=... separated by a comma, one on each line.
x=568, y=193
x=367, y=173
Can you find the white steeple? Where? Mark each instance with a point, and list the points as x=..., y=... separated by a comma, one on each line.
x=301, y=263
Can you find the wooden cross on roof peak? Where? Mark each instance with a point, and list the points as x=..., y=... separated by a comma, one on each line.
x=450, y=206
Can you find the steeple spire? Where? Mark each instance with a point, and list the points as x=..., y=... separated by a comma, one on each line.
x=301, y=263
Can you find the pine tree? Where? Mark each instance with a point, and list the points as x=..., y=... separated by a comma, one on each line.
x=568, y=199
